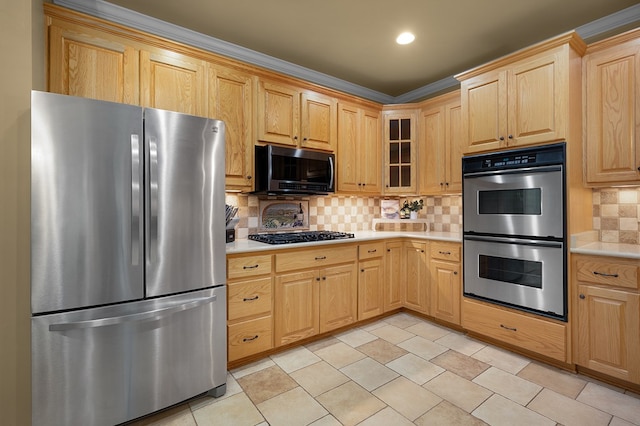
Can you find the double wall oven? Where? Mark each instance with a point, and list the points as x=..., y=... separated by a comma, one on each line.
x=514, y=229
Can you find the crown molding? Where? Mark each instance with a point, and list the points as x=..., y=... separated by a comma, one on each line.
x=132, y=19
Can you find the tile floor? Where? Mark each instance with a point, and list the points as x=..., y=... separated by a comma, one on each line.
x=403, y=370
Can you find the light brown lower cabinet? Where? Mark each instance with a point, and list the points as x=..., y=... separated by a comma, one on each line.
x=393, y=286
x=608, y=316
x=416, y=275
x=446, y=281
x=370, y=280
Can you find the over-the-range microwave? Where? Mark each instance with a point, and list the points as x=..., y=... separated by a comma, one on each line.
x=293, y=171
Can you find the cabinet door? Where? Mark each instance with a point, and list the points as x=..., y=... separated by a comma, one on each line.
x=349, y=149
x=400, y=153
x=338, y=296
x=432, y=151
x=484, y=111
x=172, y=82
x=370, y=284
x=231, y=100
x=92, y=65
x=296, y=307
x=453, y=149
x=370, y=152
x=416, y=278
x=319, y=121
x=612, y=140
x=394, y=276
x=278, y=113
x=609, y=332
x=445, y=291
x=537, y=103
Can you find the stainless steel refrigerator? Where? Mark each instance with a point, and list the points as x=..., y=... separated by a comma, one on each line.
x=127, y=260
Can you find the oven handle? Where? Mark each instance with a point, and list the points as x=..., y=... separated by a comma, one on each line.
x=528, y=170
x=517, y=241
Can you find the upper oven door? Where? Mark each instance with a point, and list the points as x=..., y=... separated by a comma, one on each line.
x=521, y=202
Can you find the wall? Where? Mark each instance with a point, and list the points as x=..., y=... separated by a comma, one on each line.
x=616, y=213
x=350, y=213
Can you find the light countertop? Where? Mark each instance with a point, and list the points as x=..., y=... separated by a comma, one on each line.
x=247, y=246
x=587, y=243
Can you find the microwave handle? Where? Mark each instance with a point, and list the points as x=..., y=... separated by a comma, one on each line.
x=332, y=171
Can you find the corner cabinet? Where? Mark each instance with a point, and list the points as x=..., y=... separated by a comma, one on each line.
x=400, y=151
x=612, y=88
x=291, y=116
x=359, y=149
x=440, y=150
x=608, y=316
x=416, y=276
x=394, y=288
x=525, y=98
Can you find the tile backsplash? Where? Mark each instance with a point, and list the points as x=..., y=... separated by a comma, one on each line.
x=616, y=213
x=350, y=213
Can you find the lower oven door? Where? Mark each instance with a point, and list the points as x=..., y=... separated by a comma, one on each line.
x=524, y=274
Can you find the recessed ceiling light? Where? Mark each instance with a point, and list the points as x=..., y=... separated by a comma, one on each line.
x=405, y=38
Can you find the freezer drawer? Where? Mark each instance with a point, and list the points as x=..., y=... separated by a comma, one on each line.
x=109, y=365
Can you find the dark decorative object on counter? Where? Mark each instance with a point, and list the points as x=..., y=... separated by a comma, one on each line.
x=409, y=207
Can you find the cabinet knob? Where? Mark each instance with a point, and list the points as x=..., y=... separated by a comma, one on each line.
x=317, y=278
x=501, y=138
x=581, y=296
x=295, y=138
x=249, y=177
x=639, y=168
x=304, y=139
x=455, y=272
x=441, y=184
x=510, y=136
x=361, y=270
x=446, y=183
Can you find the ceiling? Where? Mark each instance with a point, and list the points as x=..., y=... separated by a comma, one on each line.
x=354, y=40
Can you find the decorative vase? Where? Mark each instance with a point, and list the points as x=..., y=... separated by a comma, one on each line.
x=414, y=215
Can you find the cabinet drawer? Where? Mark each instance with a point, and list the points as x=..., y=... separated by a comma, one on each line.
x=537, y=335
x=249, y=298
x=608, y=273
x=442, y=251
x=250, y=337
x=315, y=258
x=247, y=266
x=370, y=251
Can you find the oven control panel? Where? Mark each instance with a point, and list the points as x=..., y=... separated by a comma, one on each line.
x=509, y=160
x=544, y=155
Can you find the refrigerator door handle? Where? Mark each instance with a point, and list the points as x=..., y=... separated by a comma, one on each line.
x=154, y=315
x=153, y=189
x=135, y=200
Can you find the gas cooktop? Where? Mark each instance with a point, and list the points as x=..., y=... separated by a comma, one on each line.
x=299, y=237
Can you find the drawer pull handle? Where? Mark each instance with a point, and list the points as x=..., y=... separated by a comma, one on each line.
x=372, y=251
x=508, y=328
x=250, y=339
x=250, y=267
x=602, y=274
x=447, y=253
x=251, y=299
x=321, y=257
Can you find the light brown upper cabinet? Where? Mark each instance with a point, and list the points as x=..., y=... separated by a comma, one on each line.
x=612, y=89
x=525, y=98
x=400, y=151
x=232, y=99
x=359, y=149
x=440, y=165
x=288, y=115
x=91, y=64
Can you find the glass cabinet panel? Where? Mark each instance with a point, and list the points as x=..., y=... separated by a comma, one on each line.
x=400, y=152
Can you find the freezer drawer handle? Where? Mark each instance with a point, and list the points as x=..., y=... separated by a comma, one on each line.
x=142, y=316
x=135, y=200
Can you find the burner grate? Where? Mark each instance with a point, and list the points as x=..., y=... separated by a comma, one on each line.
x=299, y=237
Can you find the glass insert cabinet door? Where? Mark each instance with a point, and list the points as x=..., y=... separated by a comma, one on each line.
x=400, y=152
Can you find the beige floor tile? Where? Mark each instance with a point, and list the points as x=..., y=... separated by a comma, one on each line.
x=458, y=391
x=392, y=334
x=422, y=347
x=504, y=360
x=319, y=378
x=237, y=410
x=245, y=370
x=321, y=344
x=610, y=401
x=295, y=359
x=407, y=398
x=328, y=420
x=292, y=408
x=385, y=417
x=562, y=382
x=350, y=403
x=340, y=354
x=356, y=337
x=176, y=416
x=500, y=411
x=445, y=414
x=265, y=384
x=402, y=320
x=506, y=384
x=567, y=411
x=373, y=326
x=460, y=364
x=428, y=331
x=619, y=422
x=460, y=343
x=233, y=388
x=369, y=374
x=382, y=351
x=414, y=368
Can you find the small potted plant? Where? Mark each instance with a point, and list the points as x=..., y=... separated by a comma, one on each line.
x=412, y=208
